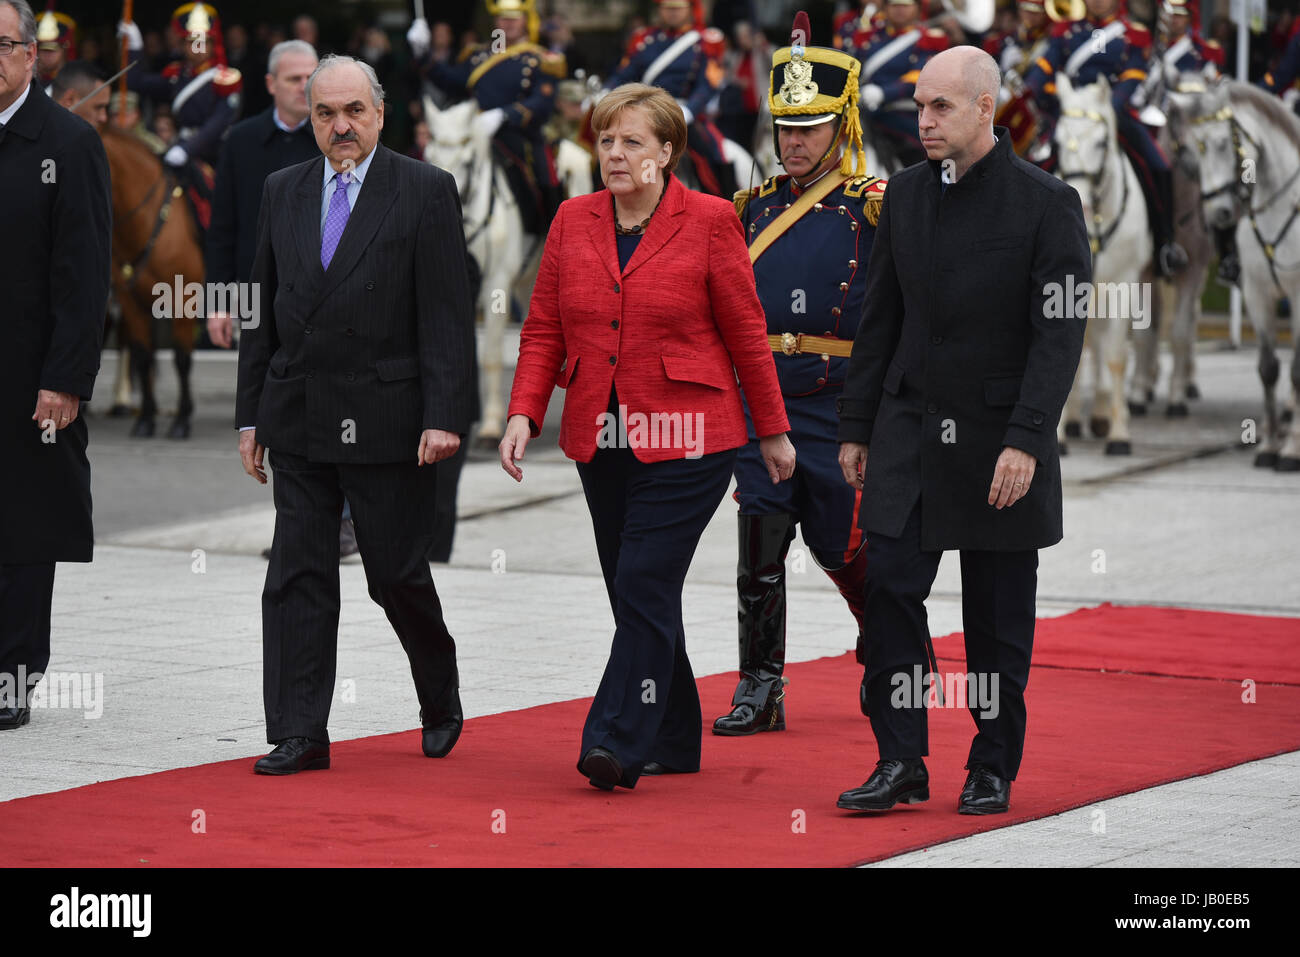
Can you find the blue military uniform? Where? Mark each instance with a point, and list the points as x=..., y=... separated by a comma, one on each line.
x=680, y=63
x=892, y=60
x=521, y=80
x=204, y=101
x=1112, y=47
x=812, y=281
x=811, y=274
x=1288, y=68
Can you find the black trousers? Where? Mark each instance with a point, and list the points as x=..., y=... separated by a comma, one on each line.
x=392, y=509
x=648, y=519
x=444, y=524
x=997, y=604
x=26, y=593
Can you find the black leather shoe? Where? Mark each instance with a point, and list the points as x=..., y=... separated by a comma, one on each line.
x=438, y=740
x=293, y=755
x=602, y=769
x=440, y=737
x=984, y=793
x=747, y=719
x=11, y=718
x=893, y=782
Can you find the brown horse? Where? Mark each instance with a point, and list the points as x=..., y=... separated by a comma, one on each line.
x=155, y=240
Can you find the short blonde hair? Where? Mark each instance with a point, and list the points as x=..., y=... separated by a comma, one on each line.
x=666, y=118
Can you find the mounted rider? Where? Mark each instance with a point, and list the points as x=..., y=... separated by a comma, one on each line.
x=892, y=56
x=1016, y=52
x=513, y=79
x=1105, y=43
x=203, y=92
x=683, y=58
x=810, y=232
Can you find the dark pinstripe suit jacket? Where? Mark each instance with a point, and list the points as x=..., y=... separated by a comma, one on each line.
x=351, y=363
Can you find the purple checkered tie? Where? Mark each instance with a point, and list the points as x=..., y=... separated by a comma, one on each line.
x=335, y=219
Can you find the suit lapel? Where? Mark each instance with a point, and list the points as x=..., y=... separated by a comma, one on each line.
x=602, y=233
x=663, y=225
x=306, y=220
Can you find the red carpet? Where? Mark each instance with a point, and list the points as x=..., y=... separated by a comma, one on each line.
x=1121, y=699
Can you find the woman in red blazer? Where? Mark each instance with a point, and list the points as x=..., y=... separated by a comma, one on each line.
x=644, y=311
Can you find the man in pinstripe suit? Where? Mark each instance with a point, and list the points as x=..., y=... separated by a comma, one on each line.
x=360, y=354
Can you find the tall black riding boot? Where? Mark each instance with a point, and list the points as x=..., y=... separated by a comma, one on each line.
x=760, y=586
x=1171, y=258
x=1225, y=244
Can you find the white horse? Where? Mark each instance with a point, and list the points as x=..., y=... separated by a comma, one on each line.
x=1249, y=149
x=573, y=169
x=494, y=237
x=1089, y=158
x=1178, y=301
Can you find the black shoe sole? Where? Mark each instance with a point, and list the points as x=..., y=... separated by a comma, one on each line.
x=317, y=764
x=602, y=771
x=967, y=809
x=917, y=796
x=13, y=725
x=744, y=732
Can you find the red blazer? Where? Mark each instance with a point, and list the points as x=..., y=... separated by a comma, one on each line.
x=670, y=333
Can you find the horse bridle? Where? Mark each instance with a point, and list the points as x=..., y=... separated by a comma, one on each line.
x=172, y=191
x=1100, y=237
x=1246, y=190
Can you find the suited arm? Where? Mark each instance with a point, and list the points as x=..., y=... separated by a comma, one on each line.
x=445, y=313
x=541, y=341
x=257, y=345
x=79, y=267
x=1055, y=341
x=219, y=258
x=877, y=338
x=740, y=319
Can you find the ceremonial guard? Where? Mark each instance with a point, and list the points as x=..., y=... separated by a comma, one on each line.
x=1017, y=50
x=1105, y=43
x=1186, y=51
x=855, y=25
x=683, y=58
x=203, y=93
x=513, y=80
x=1282, y=79
x=809, y=232
x=892, y=56
x=1018, y=111
x=56, y=44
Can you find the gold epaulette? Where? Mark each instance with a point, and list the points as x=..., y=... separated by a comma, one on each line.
x=871, y=190
x=742, y=198
x=770, y=184
x=554, y=64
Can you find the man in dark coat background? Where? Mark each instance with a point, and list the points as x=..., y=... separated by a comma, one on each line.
x=54, y=269
x=959, y=372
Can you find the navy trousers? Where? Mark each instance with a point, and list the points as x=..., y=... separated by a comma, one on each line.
x=648, y=519
x=997, y=605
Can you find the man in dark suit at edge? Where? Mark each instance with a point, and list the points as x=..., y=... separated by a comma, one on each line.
x=360, y=360
x=958, y=375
